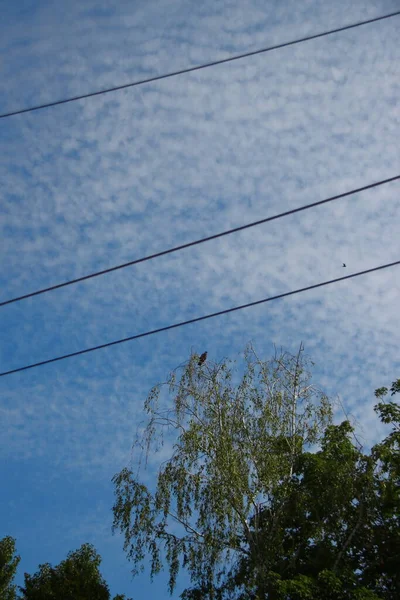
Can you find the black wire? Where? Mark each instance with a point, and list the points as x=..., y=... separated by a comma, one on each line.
x=196, y=319
x=199, y=67
x=196, y=242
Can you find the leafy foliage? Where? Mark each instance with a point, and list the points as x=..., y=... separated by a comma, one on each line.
x=262, y=497
x=8, y=567
x=232, y=461
x=75, y=578
x=339, y=525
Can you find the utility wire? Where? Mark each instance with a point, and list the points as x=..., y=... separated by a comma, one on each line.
x=197, y=242
x=196, y=319
x=198, y=67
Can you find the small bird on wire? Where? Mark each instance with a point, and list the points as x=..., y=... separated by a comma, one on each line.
x=202, y=359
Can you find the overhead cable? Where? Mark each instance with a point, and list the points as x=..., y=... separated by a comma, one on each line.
x=196, y=320
x=196, y=242
x=214, y=63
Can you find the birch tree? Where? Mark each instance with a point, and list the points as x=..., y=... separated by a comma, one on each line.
x=235, y=435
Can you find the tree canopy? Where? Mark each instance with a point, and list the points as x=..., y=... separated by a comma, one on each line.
x=8, y=567
x=76, y=578
x=261, y=496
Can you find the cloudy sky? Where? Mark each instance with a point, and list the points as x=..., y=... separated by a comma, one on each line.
x=94, y=183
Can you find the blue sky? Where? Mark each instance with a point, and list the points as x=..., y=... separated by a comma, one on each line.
x=97, y=182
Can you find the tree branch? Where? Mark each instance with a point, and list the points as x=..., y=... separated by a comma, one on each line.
x=350, y=537
x=187, y=527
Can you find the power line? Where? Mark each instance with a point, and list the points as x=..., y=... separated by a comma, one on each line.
x=196, y=319
x=198, y=67
x=197, y=242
